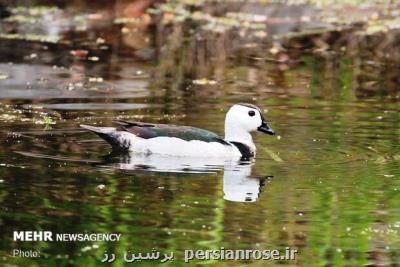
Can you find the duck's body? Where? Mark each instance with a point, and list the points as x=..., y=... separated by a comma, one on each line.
x=165, y=139
x=145, y=138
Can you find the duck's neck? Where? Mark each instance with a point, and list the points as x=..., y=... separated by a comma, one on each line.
x=235, y=134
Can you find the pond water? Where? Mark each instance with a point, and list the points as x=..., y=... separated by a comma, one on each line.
x=327, y=185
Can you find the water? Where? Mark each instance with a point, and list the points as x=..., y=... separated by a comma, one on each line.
x=328, y=185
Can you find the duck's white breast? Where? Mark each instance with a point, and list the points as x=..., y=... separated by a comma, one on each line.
x=179, y=147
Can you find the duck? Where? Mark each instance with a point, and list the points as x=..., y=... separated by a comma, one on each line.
x=241, y=121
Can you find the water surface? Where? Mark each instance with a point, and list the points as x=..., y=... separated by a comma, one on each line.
x=328, y=186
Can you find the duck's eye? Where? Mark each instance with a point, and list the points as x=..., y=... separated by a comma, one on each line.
x=252, y=113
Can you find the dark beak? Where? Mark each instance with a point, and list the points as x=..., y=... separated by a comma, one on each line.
x=265, y=128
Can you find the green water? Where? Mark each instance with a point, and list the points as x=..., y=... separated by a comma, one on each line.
x=327, y=185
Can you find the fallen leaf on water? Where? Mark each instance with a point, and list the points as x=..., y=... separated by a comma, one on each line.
x=272, y=154
x=81, y=53
x=93, y=58
x=96, y=79
x=204, y=81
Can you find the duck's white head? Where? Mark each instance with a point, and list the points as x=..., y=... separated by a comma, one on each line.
x=241, y=120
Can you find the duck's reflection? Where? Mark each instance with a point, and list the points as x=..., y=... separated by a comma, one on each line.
x=238, y=184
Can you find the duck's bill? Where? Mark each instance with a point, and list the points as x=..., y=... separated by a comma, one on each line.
x=265, y=128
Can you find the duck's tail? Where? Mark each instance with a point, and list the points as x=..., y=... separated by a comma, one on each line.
x=110, y=134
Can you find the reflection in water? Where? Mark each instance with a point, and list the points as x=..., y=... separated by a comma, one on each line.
x=238, y=185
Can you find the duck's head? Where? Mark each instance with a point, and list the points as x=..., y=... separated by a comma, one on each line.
x=241, y=120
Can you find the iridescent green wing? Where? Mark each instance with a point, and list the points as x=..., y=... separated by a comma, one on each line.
x=187, y=133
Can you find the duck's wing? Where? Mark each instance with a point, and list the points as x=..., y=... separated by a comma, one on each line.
x=187, y=133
